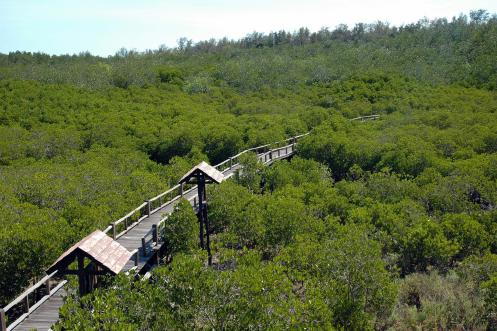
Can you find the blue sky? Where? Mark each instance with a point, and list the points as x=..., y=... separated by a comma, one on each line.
x=104, y=26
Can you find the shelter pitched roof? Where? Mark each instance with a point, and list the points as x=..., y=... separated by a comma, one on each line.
x=209, y=171
x=98, y=247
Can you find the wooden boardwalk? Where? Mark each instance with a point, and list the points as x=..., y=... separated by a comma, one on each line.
x=138, y=232
x=132, y=239
x=45, y=315
x=139, y=237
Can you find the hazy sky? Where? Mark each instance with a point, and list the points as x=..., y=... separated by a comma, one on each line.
x=104, y=26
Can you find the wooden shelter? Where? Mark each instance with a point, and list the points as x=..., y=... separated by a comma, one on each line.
x=211, y=174
x=97, y=254
x=202, y=174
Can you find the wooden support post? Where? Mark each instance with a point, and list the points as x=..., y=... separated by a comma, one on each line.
x=91, y=276
x=47, y=285
x=181, y=189
x=231, y=163
x=126, y=223
x=136, y=257
x=113, y=224
x=155, y=234
x=206, y=222
x=26, y=303
x=144, y=247
x=149, y=207
x=81, y=275
x=286, y=150
x=207, y=232
x=200, y=190
x=3, y=320
x=279, y=152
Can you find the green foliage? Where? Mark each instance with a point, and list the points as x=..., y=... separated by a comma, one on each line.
x=189, y=295
x=432, y=301
x=467, y=233
x=353, y=276
x=489, y=289
x=233, y=209
x=180, y=231
x=250, y=174
x=169, y=75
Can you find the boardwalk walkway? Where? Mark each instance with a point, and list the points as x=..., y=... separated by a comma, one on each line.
x=138, y=232
x=138, y=237
x=45, y=315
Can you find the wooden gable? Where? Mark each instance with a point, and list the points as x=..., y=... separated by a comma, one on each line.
x=98, y=247
x=211, y=174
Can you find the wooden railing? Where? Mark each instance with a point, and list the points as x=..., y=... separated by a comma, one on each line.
x=265, y=153
x=152, y=239
x=135, y=256
x=366, y=118
x=134, y=217
x=29, y=299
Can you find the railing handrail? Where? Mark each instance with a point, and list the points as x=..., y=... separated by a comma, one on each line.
x=130, y=213
x=166, y=192
x=29, y=291
x=31, y=309
x=365, y=117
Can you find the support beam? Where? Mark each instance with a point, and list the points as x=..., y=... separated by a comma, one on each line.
x=155, y=234
x=26, y=303
x=144, y=247
x=200, y=189
x=81, y=275
x=149, y=207
x=207, y=232
x=47, y=286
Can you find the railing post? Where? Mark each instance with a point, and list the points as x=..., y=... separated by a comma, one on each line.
x=279, y=152
x=136, y=258
x=231, y=163
x=144, y=248
x=149, y=207
x=181, y=189
x=47, y=284
x=155, y=234
x=26, y=302
x=113, y=230
x=3, y=320
x=195, y=202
